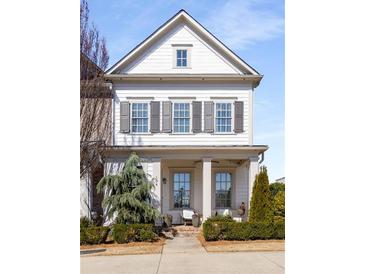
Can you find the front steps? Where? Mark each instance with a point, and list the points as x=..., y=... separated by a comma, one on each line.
x=186, y=230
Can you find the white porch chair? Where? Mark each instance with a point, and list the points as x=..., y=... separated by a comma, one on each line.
x=187, y=215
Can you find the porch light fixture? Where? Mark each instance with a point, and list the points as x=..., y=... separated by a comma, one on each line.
x=164, y=181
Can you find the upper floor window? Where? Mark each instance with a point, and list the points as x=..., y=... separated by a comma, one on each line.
x=181, y=58
x=223, y=189
x=223, y=120
x=139, y=117
x=181, y=117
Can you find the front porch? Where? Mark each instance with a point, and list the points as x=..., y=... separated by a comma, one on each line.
x=207, y=186
x=206, y=179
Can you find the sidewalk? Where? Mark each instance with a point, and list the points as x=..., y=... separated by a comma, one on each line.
x=184, y=254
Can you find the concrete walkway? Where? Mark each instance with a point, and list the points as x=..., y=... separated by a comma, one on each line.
x=185, y=254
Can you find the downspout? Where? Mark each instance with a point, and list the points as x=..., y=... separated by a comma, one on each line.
x=113, y=115
x=262, y=157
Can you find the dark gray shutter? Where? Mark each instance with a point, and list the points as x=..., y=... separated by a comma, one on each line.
x=197, y=117
x=124, y=117
x=208, y=116
x=166, y=117
x=238, y=116
x=155, y=117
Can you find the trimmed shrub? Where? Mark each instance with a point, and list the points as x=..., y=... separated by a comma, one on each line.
x=279, y=206
x=214, y=231
x=85, y=222
x=94, y=234
x=123, y=233
x=220, y=218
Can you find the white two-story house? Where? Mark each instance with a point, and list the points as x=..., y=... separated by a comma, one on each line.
x=183, y=102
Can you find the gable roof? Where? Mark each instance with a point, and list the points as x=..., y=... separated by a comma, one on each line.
x=173, y=21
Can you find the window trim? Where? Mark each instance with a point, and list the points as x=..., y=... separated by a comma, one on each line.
x=188, y=56
x=232, y=117
x=190, y=117
x=148, y=117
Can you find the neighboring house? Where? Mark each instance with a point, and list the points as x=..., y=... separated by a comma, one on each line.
x=183, y=102
x=95, y=132
x=280, y=180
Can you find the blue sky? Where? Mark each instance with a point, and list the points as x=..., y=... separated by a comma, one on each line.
x=253, y=29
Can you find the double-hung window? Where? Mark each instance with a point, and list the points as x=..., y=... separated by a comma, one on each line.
x=223, y=120
x=139, y=117
x=181, y=58
x=181, y=190
x=223, y=189
x=182, y=117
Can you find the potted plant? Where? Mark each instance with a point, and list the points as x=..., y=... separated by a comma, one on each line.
x=168, y=220
x=196, y=219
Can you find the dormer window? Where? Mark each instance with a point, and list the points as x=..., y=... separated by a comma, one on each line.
x=181, y=58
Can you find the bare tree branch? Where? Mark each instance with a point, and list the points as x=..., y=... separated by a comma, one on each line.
x=95, y=96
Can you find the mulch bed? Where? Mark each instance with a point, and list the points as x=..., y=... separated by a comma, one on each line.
x=126, y=249
x=236, y=246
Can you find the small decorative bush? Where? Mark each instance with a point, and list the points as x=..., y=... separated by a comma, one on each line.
x=226, y=230
x=85, y=222
x=93, y=234
x=123, y=233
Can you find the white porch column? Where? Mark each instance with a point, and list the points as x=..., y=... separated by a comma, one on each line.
x=156, y=171
x=252, y=171
x=207, y=188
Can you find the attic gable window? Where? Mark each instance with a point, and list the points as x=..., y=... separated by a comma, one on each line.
x=181, y=58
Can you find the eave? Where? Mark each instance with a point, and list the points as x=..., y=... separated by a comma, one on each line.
x=257, y=148
x=254, y=79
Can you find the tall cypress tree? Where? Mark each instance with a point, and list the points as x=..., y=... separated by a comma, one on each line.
x=260, y=205
x=128, y=195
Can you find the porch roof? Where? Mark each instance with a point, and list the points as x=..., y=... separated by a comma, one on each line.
x=257, y=148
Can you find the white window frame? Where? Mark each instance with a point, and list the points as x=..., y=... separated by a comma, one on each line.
x=190, y=117
x=188, y=56
x=232, y=117
x=148, y=117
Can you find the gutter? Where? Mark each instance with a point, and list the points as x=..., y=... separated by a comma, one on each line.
x=201, y=77
x=260, y=148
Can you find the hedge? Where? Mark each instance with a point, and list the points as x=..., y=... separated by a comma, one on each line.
x=220, y=218
x=123, y=233
x=93, y=234
x=214, y=231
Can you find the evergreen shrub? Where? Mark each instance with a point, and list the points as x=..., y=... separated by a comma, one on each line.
x=125, y=233
x=261, y=203
x=93, y=234
x=85, y=222
x=226, y=230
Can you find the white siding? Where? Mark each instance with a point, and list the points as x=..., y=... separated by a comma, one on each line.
x=200, y=92
x=160, y=57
